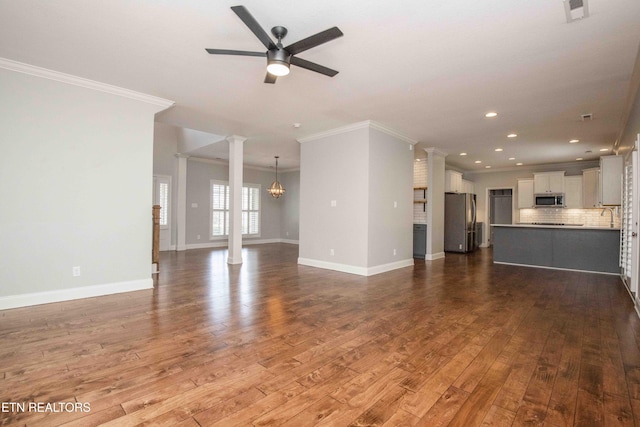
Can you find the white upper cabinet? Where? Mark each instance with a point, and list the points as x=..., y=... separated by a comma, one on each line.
x=453, y=182
x=573, y=192
x=591, y=188
x=548, y=182
x=611, y=180
x=525, y=194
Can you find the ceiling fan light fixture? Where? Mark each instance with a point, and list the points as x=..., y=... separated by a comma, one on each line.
x=278, y=68
x=278, y=62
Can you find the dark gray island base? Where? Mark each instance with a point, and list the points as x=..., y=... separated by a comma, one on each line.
x=572, y=248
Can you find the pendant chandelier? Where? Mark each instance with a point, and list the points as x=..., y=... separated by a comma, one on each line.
x=276, y=189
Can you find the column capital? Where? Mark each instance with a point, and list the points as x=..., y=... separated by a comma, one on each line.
x=435, y=151
x=235, y=138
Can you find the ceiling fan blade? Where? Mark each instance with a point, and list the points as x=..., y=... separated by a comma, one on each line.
x=315, y=40
x=253, y=25
x=235, y=52
x=313, y=66
x=270, y=78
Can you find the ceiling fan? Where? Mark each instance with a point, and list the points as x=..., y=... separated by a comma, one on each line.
x=280, y=58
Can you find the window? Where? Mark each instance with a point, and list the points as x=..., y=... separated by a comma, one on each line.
x=220, y=209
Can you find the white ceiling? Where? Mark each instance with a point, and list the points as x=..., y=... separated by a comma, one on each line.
x=428, y=69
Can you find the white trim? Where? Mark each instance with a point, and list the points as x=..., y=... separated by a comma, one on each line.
x=37, y=298
x=245, y=242
x=383, y=268
x=351, y=269
x=44, y=73
x=555, y=268
x=367, y=124
x=289, y=241
x=344, y=268
x=433, y=257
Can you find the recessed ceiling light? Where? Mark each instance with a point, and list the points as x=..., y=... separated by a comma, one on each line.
x=573, y=141
x=491, y=114
x=296, y=125
x=512, y=135
x=518, y=164
x=463, y=154
x=512, y=158
x=604, y=149
x=498, y=149
x=478, y=161
x=487, y=167
x=579, y=158
x=417, y=160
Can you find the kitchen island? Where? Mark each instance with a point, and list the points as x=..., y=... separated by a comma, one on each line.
x=567, y=247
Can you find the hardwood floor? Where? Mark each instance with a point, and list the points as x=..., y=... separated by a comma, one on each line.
x=453, y=342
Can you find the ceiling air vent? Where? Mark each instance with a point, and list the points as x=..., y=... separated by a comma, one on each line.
x=576, y=9
x=587, y=117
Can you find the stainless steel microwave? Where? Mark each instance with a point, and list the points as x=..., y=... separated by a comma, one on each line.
x=549, y=200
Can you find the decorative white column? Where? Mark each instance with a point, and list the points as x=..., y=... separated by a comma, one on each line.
x=435, y=205
x=235, y=199
x=181, y=212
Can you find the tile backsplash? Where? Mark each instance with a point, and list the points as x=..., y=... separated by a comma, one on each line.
x=587, y=217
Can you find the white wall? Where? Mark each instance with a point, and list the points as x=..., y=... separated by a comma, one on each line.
x=335, y=168
x=199, y=175
x=75, y=189
x=390, y=206
x=290, y=213
x=364, y=170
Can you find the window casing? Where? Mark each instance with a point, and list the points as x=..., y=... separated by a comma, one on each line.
x=220, y=210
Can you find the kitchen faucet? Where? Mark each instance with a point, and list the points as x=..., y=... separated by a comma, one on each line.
x=611, y=212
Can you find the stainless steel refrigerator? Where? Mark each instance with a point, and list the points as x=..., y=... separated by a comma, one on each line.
x=459, y=222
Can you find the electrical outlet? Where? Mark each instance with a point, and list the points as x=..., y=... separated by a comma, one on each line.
x=334, y=203
x=75, y=271
x=198, y=237
x=331, y=252
x=395, y=204
x=394, y=252
x=287, y=234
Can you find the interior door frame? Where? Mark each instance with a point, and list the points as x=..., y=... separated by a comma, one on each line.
x=486, y=234
x=165, y=231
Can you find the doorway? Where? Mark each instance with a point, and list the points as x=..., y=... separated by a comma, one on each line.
x=162, y=197
x=500, y=208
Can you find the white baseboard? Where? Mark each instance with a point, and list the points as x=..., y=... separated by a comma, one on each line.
x=245, y=242
x=289, y=241
x=433, y=257
x=37, y=298
x=390, y=266
x=352, y=269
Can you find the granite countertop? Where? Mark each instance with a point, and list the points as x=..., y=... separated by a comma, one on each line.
x=571, y=226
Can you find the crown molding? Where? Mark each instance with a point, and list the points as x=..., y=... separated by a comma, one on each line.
x=45, y=73
x=367, y=124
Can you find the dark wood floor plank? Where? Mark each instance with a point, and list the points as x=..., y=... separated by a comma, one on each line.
x=457, y=341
